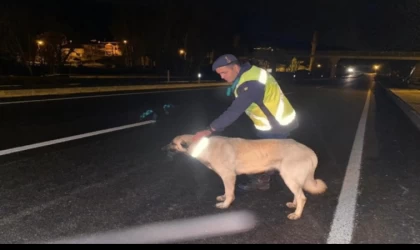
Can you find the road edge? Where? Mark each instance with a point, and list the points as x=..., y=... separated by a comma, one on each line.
x=102, y=89
x=409, y=111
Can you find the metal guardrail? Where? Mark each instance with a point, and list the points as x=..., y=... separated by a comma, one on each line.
x=67, y=90
x=371, y=53
x=344, y=53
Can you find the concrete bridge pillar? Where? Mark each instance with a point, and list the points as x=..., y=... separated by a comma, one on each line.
x=334, y=62
x=415, y=76
x=313, y=50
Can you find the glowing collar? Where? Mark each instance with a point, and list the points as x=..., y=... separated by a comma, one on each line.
x=199, y=148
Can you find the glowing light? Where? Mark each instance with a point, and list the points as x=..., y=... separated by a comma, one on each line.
x=200, y=147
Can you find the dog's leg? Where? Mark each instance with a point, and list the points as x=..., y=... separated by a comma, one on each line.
x=221, y=198
x=299, y=198
x=292, y=204
x=229, y=180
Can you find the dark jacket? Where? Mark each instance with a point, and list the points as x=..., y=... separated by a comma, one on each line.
x=253, y=94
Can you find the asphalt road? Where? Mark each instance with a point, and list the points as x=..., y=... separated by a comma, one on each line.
x=121, y=179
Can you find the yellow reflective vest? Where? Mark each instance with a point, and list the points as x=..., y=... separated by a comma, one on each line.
x=274, y=100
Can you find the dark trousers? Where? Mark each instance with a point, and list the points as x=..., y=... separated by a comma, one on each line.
x=268, y=135
x=266, y=177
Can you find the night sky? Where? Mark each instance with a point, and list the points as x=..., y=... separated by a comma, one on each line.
x=355, y=25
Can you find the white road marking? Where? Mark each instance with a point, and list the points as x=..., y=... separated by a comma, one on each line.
x=343, y=222
x=97, y=96
x=75, y=137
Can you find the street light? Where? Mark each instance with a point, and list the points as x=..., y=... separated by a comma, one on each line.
x=199, y=77
x=128, y=61
x=183, y=52
x=38, y=56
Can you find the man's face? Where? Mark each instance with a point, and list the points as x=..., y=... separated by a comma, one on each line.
x=228, y=73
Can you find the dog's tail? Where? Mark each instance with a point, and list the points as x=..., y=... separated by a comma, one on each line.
x=312, y=185
x=315, y=186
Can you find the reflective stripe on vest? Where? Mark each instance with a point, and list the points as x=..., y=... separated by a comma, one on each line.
x=283, y=121
x=263, y=78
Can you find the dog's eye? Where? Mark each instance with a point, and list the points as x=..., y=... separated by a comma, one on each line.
x=184, y=145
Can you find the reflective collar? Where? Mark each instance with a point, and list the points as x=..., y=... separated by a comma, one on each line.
x=200, y=147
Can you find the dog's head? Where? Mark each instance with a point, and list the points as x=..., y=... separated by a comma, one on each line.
x=179, y=144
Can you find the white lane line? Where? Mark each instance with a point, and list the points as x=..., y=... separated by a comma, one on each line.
x=75, y=137
x=97, y=96
x=343, y=222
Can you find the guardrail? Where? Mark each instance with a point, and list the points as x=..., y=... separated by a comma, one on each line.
x=102, y=89
x=92, y=80
x=370, y=53
x=343, y=53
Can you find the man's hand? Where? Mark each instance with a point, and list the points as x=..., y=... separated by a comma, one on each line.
x=202, y=134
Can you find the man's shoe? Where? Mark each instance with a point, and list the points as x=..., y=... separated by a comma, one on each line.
x=254, y=185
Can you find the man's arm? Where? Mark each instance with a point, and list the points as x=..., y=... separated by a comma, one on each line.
x=248, y=93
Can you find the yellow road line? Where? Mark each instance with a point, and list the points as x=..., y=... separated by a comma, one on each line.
x=101, y=89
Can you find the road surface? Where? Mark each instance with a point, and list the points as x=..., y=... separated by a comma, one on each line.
x=121, y=179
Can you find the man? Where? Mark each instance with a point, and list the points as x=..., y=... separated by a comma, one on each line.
x=257, y=94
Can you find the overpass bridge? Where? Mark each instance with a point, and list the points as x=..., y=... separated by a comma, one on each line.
x=334, y=57
x=375, y=55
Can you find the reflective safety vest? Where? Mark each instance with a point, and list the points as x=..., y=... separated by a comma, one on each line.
x=274, y=100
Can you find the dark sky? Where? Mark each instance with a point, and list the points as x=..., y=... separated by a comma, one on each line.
x=355, y=24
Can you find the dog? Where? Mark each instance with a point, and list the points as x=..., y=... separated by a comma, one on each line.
x=229, y=157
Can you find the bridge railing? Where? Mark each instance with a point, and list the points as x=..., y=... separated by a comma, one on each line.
x=370, y=53
x=343, y=53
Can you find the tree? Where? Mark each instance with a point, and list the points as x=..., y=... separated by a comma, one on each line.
x=20, y=27
x=165, y=27
x=12, y=23
x=52, y=44
x=146, y=28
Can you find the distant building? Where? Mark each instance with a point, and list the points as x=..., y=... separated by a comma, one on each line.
x=91, y=54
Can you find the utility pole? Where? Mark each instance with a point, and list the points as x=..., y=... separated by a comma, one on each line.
x=186, y=64
x=314, y=43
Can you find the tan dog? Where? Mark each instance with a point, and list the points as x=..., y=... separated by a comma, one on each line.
x=230, y=157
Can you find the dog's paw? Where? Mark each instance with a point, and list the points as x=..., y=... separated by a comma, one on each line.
x=290, y=205
x=222, y=205
x=293, y=216
x=221, y=198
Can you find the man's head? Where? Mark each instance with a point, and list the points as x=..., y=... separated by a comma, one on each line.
x=227, y=66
